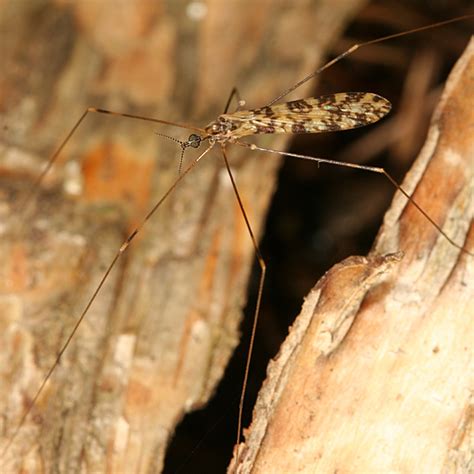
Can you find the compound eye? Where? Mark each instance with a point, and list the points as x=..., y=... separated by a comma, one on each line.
x=194, y=140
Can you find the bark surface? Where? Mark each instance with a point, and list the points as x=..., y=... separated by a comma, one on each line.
x=157, y=339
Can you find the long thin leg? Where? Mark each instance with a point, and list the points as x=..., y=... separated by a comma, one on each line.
x=263, y=269
x=233, y=93
x=355, y=47
x=24, y=206
x=373, y=169
x=91, y=300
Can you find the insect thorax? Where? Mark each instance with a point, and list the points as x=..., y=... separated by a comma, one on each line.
x=222, y=129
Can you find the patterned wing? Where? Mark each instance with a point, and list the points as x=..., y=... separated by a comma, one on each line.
x=328, y=113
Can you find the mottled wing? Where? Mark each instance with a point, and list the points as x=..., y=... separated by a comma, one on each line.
x=327, y=113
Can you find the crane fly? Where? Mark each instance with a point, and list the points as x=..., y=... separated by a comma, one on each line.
x=334, y=112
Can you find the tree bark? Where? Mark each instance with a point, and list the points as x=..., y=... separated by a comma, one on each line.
x=376, y=373
x=156, y=340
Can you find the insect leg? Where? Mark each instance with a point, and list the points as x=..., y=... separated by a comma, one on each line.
x=261, y=263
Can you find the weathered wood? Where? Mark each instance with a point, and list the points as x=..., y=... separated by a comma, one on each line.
x=158, y=337
x=376, y=373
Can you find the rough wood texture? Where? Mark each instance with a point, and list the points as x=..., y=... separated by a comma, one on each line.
x=157, y=339
x=376, y=373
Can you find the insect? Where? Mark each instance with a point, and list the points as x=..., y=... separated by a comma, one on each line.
x=125, y=347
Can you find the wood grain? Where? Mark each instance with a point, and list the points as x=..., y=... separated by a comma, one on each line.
x=158, y=338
